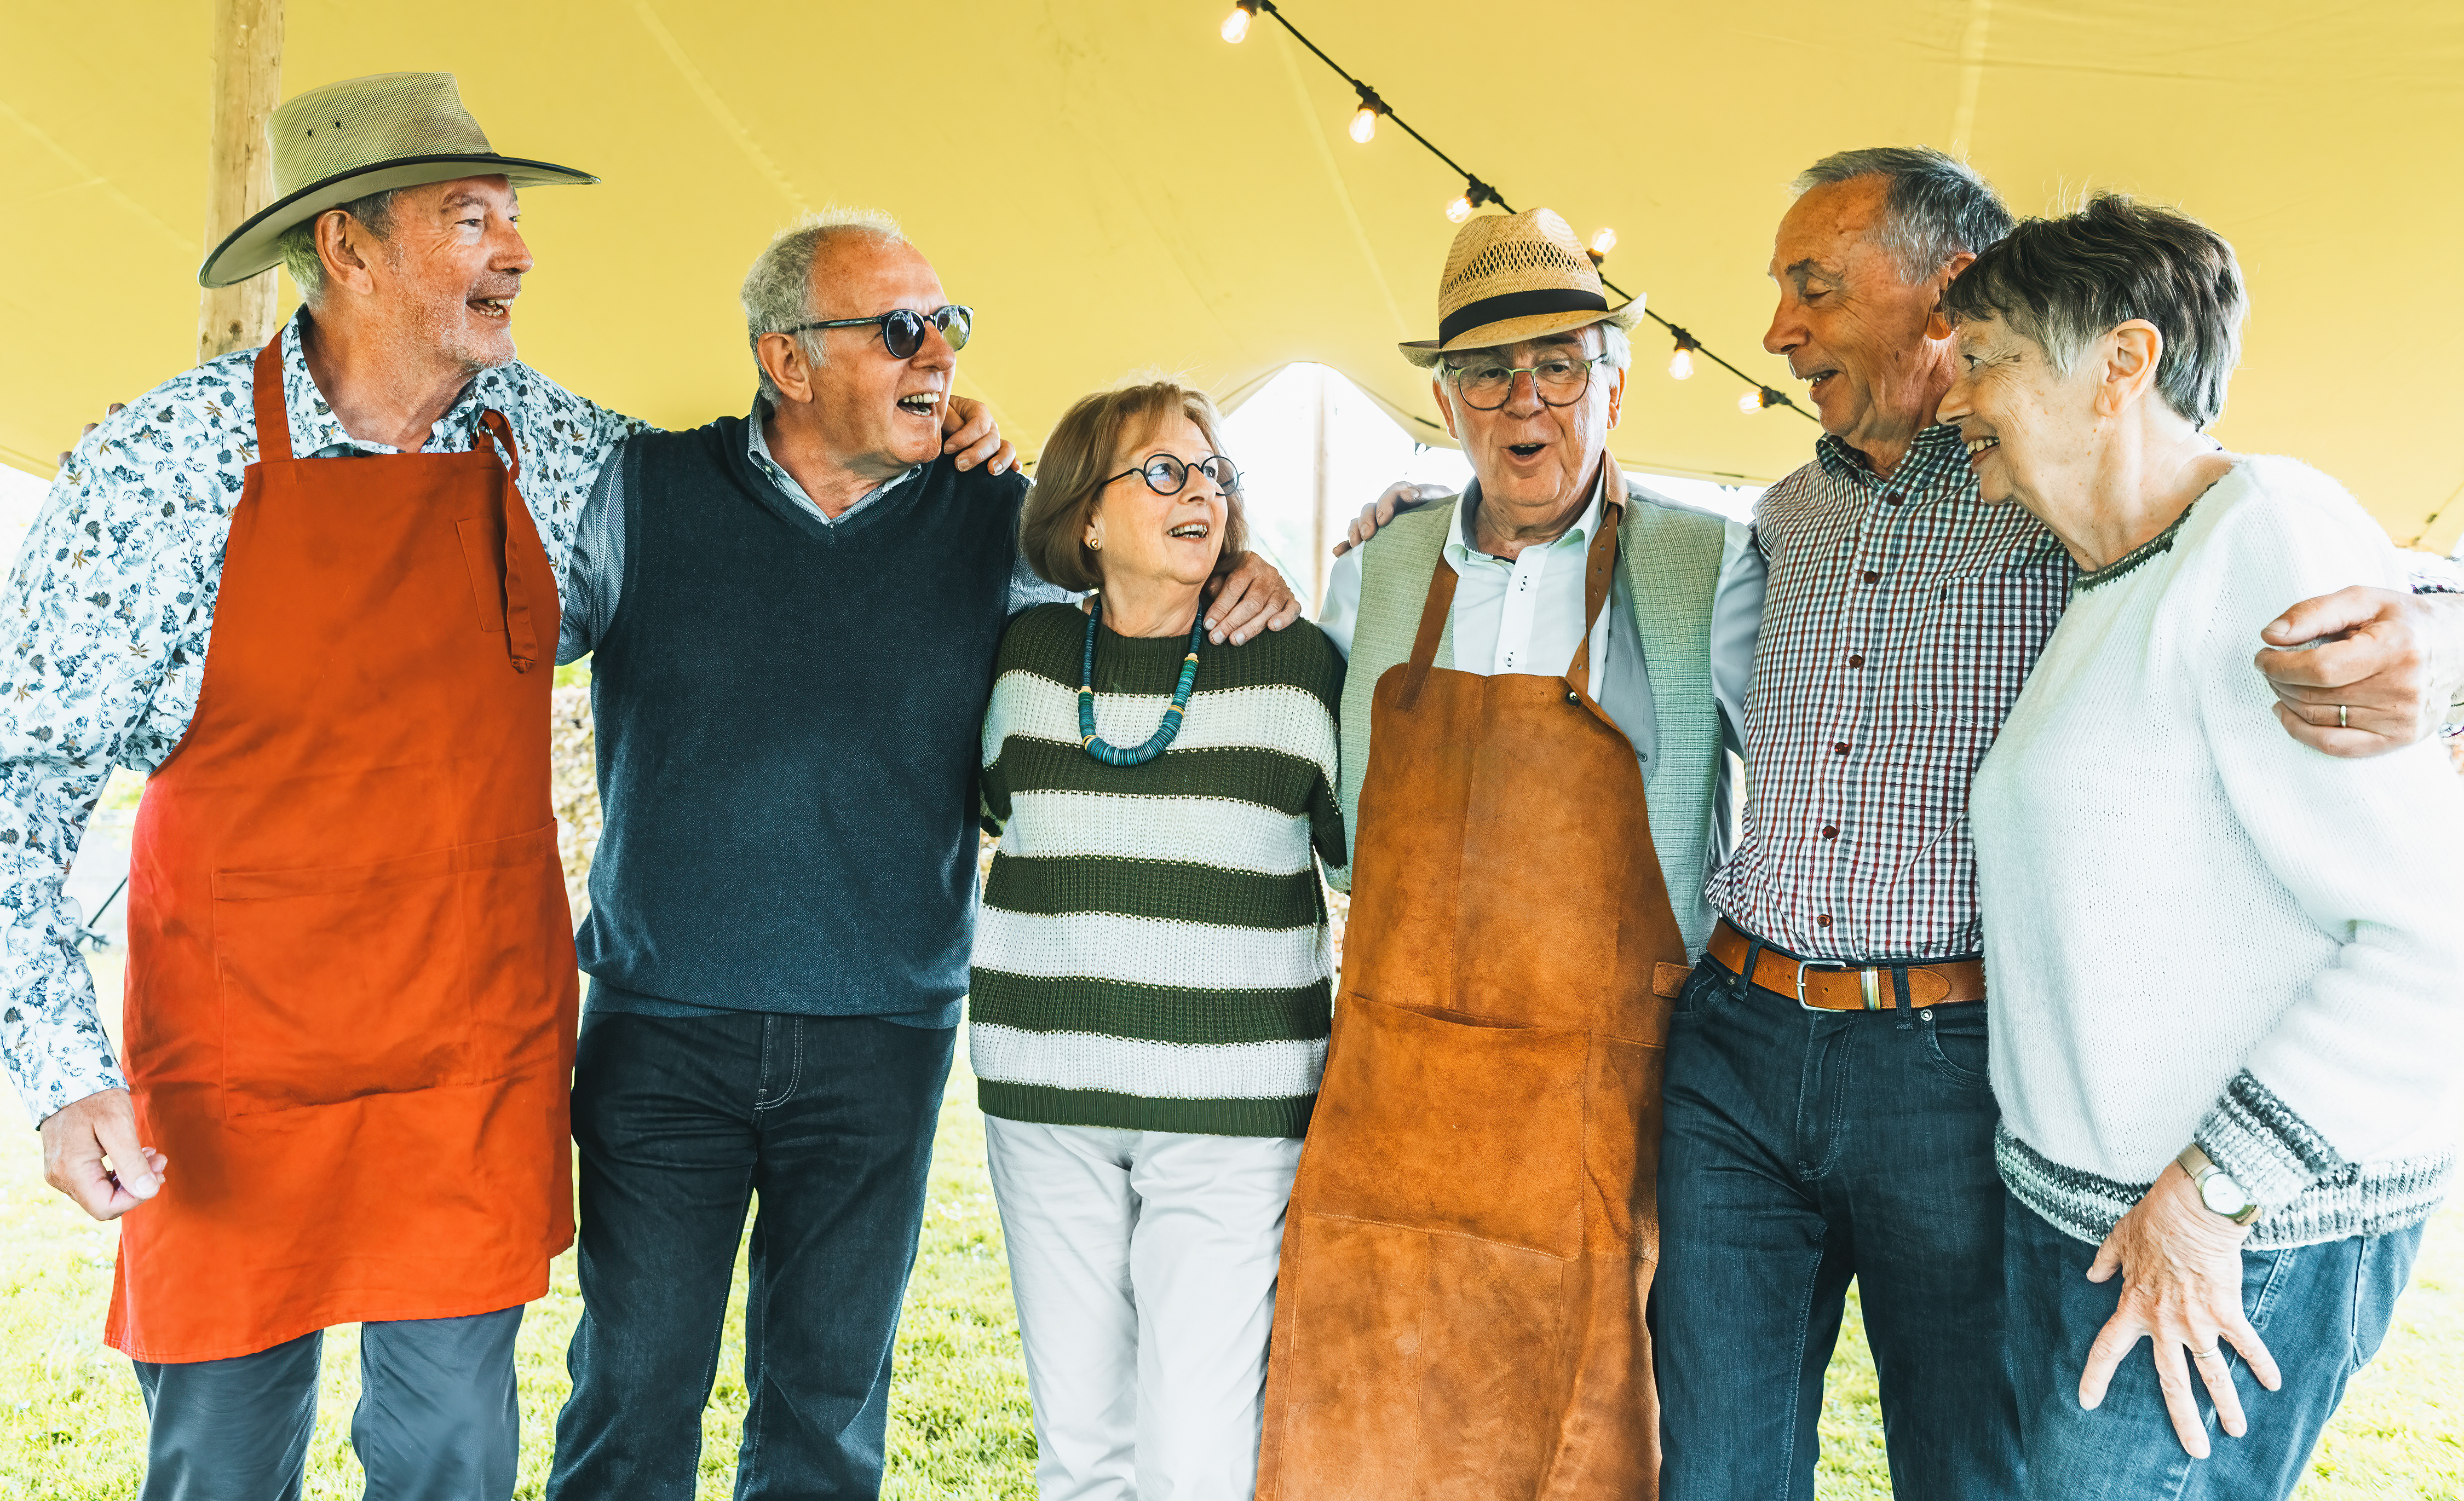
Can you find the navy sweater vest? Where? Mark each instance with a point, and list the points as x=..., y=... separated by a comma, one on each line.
x=789, y=714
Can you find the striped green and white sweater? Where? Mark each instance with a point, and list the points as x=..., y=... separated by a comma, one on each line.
x=1153, y=952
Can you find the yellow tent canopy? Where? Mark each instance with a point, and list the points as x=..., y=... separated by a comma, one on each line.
x=1114, y=187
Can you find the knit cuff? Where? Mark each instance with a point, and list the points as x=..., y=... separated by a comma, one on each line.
x=2270, y=1150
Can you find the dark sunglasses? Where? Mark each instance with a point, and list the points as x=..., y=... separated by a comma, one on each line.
x=1167, y=475
x=902, y=332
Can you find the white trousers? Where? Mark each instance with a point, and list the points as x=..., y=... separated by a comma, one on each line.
x=1144, y=1267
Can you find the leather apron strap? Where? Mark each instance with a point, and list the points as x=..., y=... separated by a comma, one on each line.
x=1599, y=563
x=273, y=412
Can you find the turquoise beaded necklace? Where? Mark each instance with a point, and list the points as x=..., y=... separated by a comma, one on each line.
x=1136, y=755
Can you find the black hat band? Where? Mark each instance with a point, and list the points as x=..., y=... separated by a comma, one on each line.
x=1518, y=305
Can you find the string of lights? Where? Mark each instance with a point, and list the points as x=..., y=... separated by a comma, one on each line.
x=1478, y=193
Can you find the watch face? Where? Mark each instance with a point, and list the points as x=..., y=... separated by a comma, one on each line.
x=2223, y=1195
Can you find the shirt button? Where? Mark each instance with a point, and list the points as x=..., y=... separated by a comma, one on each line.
x=1894, y=498
x=1831, y=831
x=1824, y=920
x=1871, y=576
x=1856, y=660
x=1840, y=747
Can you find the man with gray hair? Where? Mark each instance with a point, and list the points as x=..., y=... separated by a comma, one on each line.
x=792, y=617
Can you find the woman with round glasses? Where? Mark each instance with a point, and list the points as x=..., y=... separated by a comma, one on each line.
x=1151, y=996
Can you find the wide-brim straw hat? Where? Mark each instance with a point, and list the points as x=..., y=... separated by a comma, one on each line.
x=1512, y=277
x=339, y=143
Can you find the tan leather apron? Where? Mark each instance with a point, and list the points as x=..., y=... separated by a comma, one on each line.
x=1472, y=1231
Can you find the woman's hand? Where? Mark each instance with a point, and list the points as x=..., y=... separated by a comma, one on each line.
x=2181, y=1287
x=969, y=432
x=1401, y=495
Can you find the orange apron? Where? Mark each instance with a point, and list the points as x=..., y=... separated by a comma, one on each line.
x=351, y=995
x=1472, y=1231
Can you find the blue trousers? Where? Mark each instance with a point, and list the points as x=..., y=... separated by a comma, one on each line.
x=437, y=1418
x=2322, y=1309
x=1803, y=1149
x=681, y=1123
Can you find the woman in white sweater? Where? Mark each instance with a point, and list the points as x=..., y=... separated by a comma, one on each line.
x=2224, y=966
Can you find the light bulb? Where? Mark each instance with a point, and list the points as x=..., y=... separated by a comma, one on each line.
x=1236, y=26
x=1364, y=124
x=1461, y=209
x=1604, y=241
x=1750, y=403
x=1680, y=364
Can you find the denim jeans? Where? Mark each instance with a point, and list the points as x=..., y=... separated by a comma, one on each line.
x=437, y=1418
x=2322, y=1309
x=681, y=1120
x=1803, y=1149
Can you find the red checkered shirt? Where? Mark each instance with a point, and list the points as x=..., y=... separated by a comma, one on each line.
x=1901, y=618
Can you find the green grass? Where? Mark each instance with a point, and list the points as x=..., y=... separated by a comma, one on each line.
x=73, y=1427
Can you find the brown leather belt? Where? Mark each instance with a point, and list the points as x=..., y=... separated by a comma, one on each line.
x=1831, y=985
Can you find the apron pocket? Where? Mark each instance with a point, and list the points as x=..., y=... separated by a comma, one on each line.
x=449, y=966
x=1441, y=1121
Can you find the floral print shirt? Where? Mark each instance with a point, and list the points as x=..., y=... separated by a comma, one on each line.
x=106, y=622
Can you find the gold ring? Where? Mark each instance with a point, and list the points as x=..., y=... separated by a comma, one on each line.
x=2344, y=719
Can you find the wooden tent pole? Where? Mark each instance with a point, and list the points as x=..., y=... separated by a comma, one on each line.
x=239, y=165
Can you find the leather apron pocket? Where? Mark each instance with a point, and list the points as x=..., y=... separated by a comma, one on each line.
x=1449, y=1123
x=342, y=982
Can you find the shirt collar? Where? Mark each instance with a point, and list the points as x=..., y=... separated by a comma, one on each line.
x=1462, y=547
x=757, y=448
x=315, y=429
x=1931, y=452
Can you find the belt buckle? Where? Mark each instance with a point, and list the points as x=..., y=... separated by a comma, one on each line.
x=1826, y=966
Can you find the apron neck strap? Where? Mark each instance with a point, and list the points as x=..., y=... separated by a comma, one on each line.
x=1599, y=563
x=1600, y=571
x=273, y=412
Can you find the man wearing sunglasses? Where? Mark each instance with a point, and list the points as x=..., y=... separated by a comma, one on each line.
x=792, y=617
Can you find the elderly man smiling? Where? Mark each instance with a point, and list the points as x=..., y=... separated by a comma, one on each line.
x=1530, y=753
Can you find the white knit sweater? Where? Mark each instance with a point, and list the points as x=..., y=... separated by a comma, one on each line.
x=2197, y=927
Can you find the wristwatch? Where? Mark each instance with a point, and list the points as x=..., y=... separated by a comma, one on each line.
x=2217, y=1189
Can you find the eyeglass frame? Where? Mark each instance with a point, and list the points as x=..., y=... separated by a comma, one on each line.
x=1590, y=362
x=1187, y=468
x=931, y=320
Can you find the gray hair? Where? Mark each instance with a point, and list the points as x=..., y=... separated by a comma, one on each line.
x=779, y=290
x=2066, y=281
x=298, y=245
x=1936, y=208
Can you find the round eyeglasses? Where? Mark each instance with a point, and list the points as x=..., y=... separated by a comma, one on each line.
x=902, y=332
x=1561, y=379
x=1167, y=475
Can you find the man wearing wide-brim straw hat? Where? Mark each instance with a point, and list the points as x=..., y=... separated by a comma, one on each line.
x=1531, y=758
x=313, y=593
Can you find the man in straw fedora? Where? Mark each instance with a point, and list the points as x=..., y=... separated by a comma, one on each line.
x=313, y=593
x=1530, y=755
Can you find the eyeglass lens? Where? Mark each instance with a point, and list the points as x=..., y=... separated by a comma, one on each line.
x=1167, y=475
x=903, y=331
x=1560, y=380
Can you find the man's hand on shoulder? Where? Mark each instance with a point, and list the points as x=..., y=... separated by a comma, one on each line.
x=968, y=432
x=76, y=1139
x=1401, y=496
x=1250, y=596
x=2362, y=671
x=108, y=413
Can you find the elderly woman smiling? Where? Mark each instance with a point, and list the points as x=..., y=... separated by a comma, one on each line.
x=1151, y=994
x=2223, y=964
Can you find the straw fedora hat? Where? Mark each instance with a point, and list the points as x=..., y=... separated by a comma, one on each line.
x=1512, y=277
x=341, y=142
